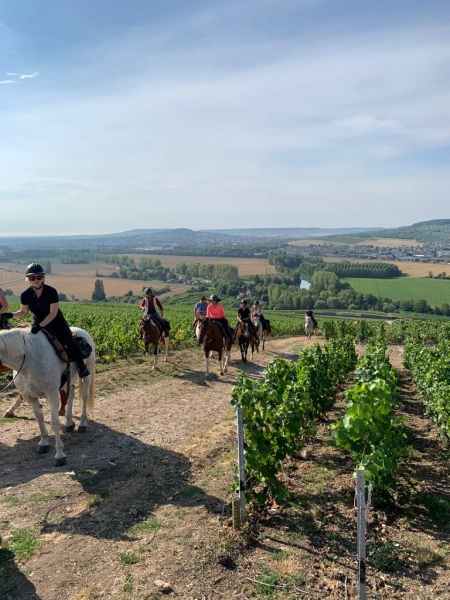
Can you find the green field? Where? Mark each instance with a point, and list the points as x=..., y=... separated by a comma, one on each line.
x=434, y=291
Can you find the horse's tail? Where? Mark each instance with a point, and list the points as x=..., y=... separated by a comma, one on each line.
x=90, y=400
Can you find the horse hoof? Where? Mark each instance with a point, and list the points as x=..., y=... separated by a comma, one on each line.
x=43, y=449
x=70, y=428
x=82, y=429
x=62, y=412
x=60, y=462
x=9, y=415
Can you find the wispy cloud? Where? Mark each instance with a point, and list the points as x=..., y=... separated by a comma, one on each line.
x=10, y=74
x=7, y=81
x=28, y=75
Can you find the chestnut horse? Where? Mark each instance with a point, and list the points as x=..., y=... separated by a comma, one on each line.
x=246, y=339
x=210, y=334
x=151, y=334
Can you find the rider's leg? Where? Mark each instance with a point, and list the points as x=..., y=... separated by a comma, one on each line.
x=64, y=335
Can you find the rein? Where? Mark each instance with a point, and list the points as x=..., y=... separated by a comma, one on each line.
x=14, y=378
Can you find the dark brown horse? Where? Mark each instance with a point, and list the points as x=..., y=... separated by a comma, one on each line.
x=151, y=334
x=214, y=339
x=246, y=339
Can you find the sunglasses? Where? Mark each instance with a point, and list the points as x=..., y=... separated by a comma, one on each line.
x=36, y=277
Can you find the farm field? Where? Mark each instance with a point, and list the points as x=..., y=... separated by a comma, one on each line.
x=79, y=280
x=413, y=269
x=145, y=497
x=434, y=291
x=246, y=266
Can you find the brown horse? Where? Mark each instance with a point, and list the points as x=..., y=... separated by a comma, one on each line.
x=246, y=339
x=211, y=335
x=151, y=334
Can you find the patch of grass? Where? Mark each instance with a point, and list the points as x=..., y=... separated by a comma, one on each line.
x=43, y=497
x=268, y=578
x=14, y=500
x=4, y=420
x=152, y=524
x=128, y=585
x=385, y=557
x=128, y=558
x=190, y=492
x=425, y=555
x=24, y=543
x=317, y=480
x=3, y=526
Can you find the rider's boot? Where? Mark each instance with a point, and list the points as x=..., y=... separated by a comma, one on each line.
x=82, y=370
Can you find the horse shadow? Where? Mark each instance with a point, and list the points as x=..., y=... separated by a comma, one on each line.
x=124, y=478
x=12, y=580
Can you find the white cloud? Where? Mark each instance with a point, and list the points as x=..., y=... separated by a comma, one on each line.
x=29, y=76
x=10, y=74
x=7, y=81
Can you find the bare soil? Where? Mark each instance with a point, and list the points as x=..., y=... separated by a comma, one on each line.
x=145, y=501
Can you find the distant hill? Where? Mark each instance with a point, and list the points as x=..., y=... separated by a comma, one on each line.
x=424, y=231
x=291, y=232
x=157, y=238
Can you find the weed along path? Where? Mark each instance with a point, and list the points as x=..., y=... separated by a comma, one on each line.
x=142, y=509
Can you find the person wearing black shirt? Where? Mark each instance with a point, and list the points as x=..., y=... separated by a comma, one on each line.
x=243, y=316
x=43, y=302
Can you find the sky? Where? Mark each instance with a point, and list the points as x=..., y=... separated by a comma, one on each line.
x=222, y=114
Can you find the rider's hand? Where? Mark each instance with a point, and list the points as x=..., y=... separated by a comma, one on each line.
x=8, y=315
x=35, y=328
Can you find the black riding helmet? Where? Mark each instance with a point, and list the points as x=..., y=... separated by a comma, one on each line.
x=148, y=290
x=34, y=269
x=215, y=297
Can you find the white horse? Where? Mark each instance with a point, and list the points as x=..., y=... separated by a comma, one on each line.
x=309, y=327
x=37, y=374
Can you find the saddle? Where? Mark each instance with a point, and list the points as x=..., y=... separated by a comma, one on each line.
x=61, y=351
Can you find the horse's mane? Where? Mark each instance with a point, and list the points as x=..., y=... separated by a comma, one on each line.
x=15, y=342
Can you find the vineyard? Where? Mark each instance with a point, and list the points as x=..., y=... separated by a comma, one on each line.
x=146, y=495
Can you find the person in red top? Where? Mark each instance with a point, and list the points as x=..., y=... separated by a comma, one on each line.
x=216, y=311
x=148, y=303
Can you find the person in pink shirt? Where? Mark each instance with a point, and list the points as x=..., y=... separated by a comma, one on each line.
x=216, y=311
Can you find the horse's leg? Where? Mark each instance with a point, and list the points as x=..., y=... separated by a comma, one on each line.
x=227, y=353
x=207, y=362
x=70, y=424
x=60, y=457
x=155, y=355
x=220, y=360
x=166, y=346
x=9, y=414
x=43, y=446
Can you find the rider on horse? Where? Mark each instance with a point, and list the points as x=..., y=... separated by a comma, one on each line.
x=42, y=301
x=256, y=312
x=243, y=316
x=200, y=309
x=148, y=305
x=216, y=312
x=309, y=313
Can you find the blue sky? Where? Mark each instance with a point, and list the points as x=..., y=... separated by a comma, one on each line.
x=206, y=114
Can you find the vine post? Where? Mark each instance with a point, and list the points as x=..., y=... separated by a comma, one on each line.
x=241, y=462
x=361, y=532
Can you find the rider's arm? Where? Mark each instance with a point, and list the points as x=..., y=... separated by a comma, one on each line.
x=22, y=313
x=52, y=314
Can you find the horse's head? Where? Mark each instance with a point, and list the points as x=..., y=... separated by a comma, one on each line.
x=202, y=328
